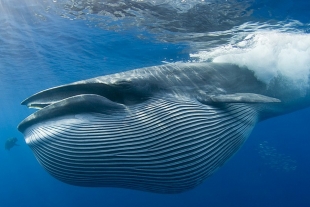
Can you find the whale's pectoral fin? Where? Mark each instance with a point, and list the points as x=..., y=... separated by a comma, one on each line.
x=85, y=103
x=235, y=98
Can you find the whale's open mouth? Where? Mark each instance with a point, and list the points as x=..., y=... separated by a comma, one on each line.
x=80, y=98
x=72, y=105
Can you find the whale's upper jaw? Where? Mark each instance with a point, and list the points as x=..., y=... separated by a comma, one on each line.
x=56, y=94
x=122, y=92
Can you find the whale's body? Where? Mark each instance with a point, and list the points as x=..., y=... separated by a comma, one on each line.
x=162, y=129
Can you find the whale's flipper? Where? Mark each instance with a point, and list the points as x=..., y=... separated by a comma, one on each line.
x=236, y=98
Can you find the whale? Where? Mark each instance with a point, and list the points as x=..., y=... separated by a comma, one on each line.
x=161, y=129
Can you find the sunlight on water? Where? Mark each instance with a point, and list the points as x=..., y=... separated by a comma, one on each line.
x=189, y=17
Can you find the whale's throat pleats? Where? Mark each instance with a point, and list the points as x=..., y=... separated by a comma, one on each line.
x=163, y=145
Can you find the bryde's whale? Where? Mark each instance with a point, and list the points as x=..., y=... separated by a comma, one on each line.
x=163, y=129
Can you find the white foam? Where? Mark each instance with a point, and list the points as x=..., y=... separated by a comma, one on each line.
x=268, y=54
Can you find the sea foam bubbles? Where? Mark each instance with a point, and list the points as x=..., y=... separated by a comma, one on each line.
x=269, y=54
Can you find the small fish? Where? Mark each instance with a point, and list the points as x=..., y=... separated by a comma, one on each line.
x=10, y=142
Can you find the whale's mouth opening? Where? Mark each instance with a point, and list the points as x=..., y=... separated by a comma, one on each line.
x=37, y=105
x=84, y=103
x=82, y=98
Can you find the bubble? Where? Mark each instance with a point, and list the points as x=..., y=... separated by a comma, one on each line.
x=276, y=160
x=271, y=53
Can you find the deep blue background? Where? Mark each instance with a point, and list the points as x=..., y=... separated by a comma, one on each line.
x=37, y=53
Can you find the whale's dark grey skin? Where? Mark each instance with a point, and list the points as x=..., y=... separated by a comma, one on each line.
x=162, y=129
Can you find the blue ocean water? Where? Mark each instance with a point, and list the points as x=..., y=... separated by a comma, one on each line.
x=49, y=43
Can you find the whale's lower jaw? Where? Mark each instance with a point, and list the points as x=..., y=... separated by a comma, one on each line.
x=161, y=145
